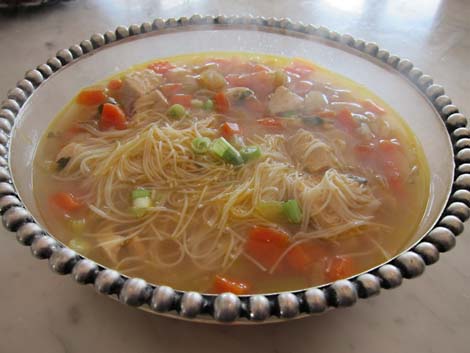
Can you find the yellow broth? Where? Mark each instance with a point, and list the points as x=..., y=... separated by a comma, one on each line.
x=371, y=145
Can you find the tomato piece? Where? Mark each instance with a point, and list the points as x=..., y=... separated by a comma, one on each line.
x=112, y=117
x=301, y=68
x=65, y=201
x=345, y=120
x=271, y=122
x=302, y=256
x=115, y=84
x=298, y=258
x=266, y=245
x=221, y=103
x=389, y=146
x=340, y=267
x=224, y=284
x=183, y=99
x=365, y=150
x=230, y=129
x=373, y=107
x=170, y=89
x=301, y=87
x=269, y=235
x=91, y=96
x=161, y=67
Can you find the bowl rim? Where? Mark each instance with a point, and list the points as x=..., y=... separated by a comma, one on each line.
x=228, y=307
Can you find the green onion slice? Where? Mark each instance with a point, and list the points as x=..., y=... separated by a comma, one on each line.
x=201, y=145
x=138, y=193
x=292, y=211
x=250, y=152
x=223, y=149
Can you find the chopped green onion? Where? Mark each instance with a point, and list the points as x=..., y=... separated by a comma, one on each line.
x=201, y=144
x=250, y=152
x=80, y=245
x=140, y=205
x=77, y=226
x=223, y=149
x=176, y=111
x=138, y=193
x=62, y=163
x=208, y=105
x=196, y=103
x=292, y=211
x=271, y=210
x=142, y=202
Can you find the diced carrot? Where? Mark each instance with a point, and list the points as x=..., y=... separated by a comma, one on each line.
x=183, y=99
x=271, y=122
x=112, y=117
x=223, y=285
x=222, y=104
x=161, y=67
x=345, y=119
x=170, y=89
x=115, y=84
x=230, y=129
x=373, y=107
x=91, y=96
x=65, y=201
x=340, y=267
x=266, y=245
x=302, y=87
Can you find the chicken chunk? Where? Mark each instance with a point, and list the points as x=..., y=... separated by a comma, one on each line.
x=153, y=100
x=315, y=100
x=137, y=84
x=283, y=100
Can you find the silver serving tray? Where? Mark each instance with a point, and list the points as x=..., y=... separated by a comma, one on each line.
x=437, y=123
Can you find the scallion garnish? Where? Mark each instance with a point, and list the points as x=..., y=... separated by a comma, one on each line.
x=138, y=193
x=223, y=149
x=250, y=152
x=292, y=211
x=201, y=145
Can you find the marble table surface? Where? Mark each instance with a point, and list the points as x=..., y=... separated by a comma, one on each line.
x=43, y=312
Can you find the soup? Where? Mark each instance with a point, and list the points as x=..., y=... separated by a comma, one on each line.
x=231, y=172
